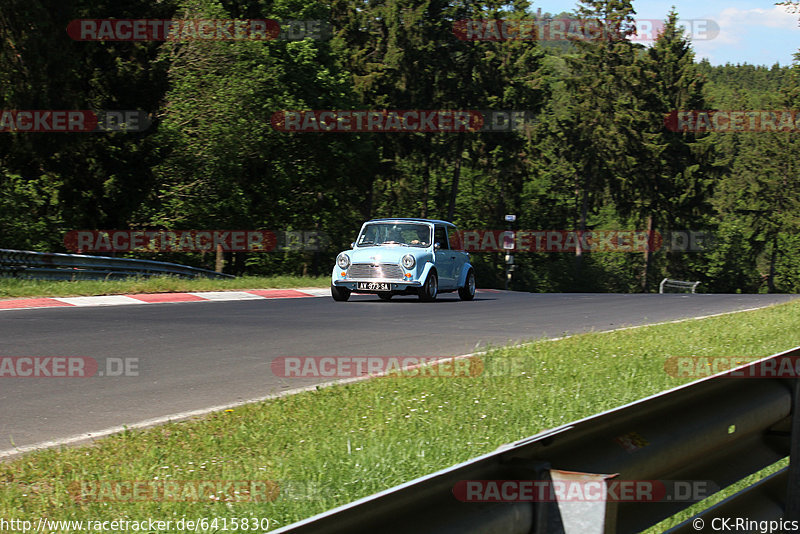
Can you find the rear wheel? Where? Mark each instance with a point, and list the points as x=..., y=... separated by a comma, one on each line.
x=385, y=295
x=430, y=289
x=340, y=294
x=468, y=291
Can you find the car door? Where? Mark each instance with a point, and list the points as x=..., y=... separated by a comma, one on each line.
x=445, y=257
x=460, y=256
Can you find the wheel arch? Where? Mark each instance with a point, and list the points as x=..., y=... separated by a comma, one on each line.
x=462, y=277
x=430, y=266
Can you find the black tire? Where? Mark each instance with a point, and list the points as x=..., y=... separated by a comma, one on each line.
x=430, y=288
x=340, y=294
x=468, y=291
x=385, y=295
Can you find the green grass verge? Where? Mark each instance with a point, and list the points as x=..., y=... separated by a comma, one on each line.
x=337, y=444
x=13, y=288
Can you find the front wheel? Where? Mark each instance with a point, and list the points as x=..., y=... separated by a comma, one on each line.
x=430, y=289
x=468, y=291
x=340, y=294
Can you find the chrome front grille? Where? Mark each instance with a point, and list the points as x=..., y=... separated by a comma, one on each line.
x=381, y=271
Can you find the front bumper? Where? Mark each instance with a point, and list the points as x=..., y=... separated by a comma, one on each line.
x=395, y=285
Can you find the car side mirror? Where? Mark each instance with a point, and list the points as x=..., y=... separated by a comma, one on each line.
x=436, y=246
x=353, y=244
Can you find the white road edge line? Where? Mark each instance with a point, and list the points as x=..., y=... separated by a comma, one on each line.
x=181, y=416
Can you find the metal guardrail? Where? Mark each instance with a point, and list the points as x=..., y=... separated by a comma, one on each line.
x=55, y=266
x=680, y=284
x=720, y=429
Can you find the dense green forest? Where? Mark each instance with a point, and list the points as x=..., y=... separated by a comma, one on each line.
x=598, y=156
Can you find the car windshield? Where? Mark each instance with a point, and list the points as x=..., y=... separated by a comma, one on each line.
x=407, y=234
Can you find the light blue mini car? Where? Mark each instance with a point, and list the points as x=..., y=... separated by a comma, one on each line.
x=404, y=257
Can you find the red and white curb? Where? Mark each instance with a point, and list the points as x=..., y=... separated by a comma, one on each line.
x=157, y=298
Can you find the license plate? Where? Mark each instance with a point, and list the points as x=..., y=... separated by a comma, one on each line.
x=373, y=286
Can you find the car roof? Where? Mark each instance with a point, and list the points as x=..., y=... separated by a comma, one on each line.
x=410, y=219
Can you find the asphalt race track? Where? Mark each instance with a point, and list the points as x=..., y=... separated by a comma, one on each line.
x=198, y=355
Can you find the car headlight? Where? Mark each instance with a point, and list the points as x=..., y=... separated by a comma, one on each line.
x=409, y=261
x=343, y=261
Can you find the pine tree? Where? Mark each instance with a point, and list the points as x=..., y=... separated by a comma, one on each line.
x=675, y=180
x=603, y=85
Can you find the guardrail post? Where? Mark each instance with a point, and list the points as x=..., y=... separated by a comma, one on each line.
x=588, y=516
x=554, y=516
x=661, y=285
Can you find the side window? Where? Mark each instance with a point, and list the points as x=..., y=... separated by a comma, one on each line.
x=440, y=236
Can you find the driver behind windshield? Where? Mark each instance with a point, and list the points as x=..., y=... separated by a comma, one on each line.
x=422, y=237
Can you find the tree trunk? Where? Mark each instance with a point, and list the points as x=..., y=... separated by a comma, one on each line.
x=581, y=224
x=773, y=257
x=451, y=210
x=426, y=176
x=220, y=261
x=647, y=254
